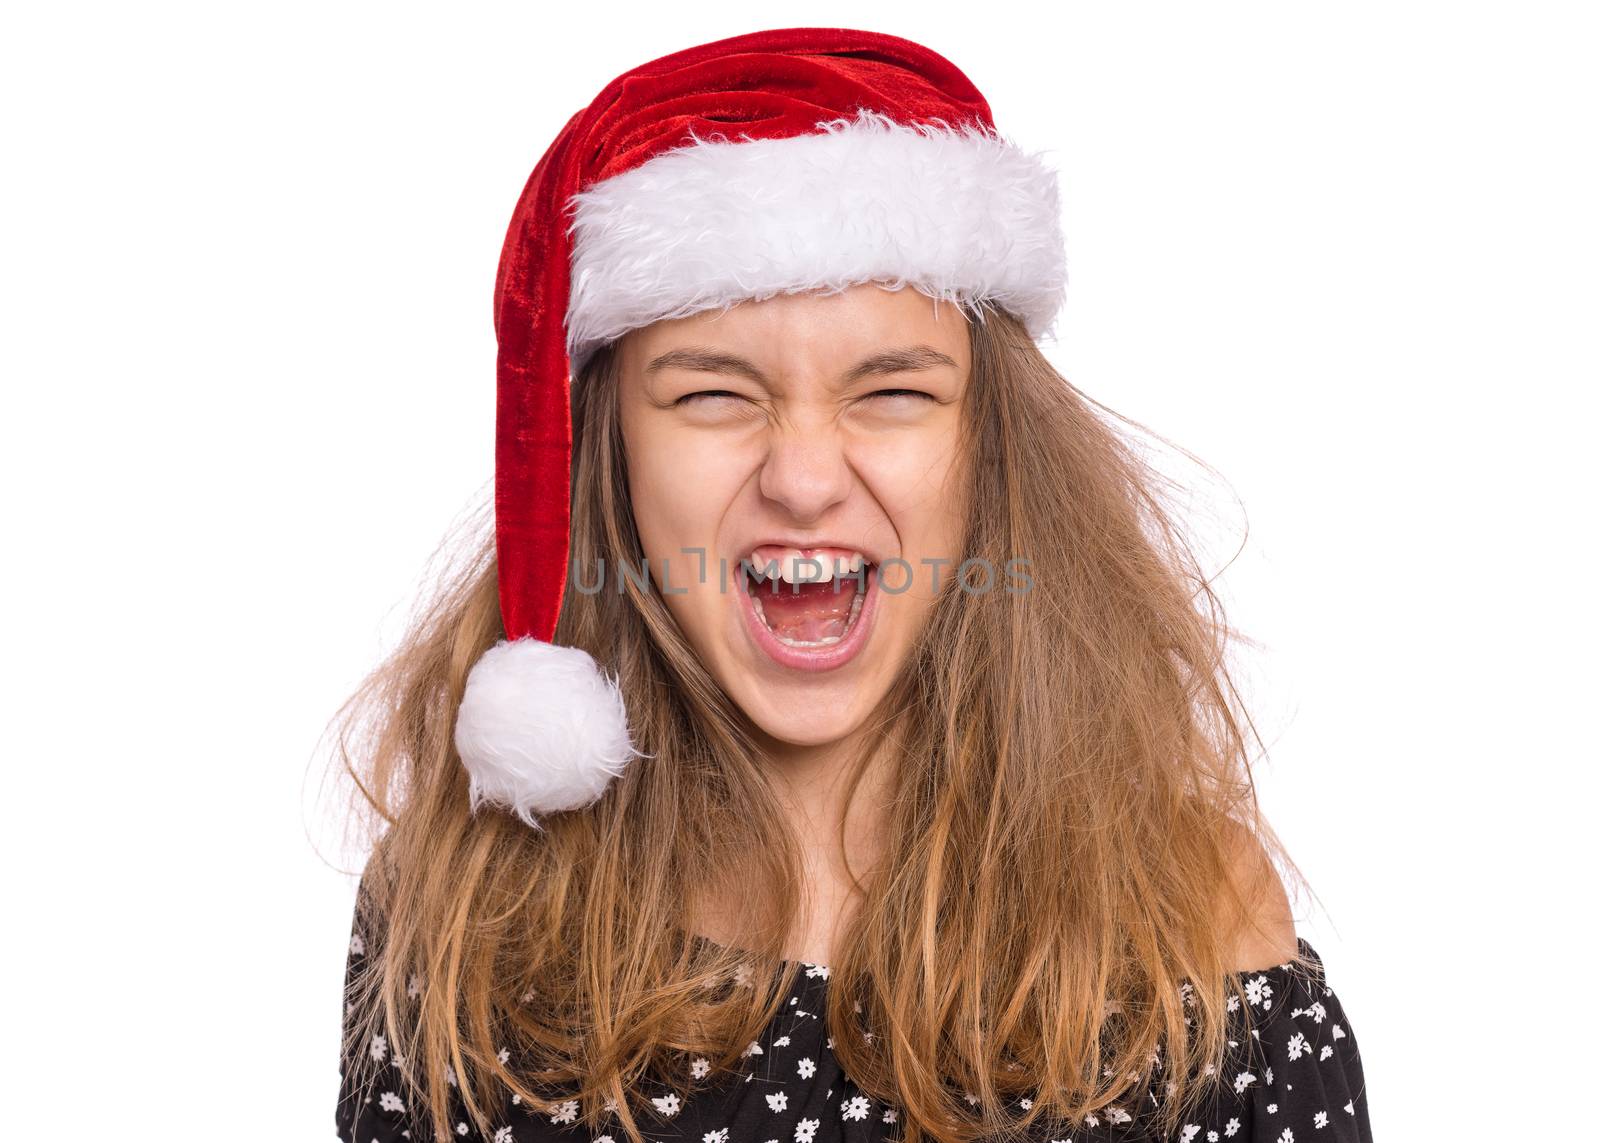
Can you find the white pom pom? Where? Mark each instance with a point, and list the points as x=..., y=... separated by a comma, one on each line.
x=541, y=729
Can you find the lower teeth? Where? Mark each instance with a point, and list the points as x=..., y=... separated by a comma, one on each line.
x=855, y=612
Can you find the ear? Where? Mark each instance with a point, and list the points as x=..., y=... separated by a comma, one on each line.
x=1258, y=927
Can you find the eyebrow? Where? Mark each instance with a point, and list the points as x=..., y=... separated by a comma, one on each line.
x=899, y=360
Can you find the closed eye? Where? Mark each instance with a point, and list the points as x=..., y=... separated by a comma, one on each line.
x=901, y=393
x=689, y=398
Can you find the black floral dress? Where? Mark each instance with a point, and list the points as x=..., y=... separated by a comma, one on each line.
x=1294, y=1077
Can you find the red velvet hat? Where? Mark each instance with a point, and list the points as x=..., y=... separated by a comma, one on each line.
x=790, y=160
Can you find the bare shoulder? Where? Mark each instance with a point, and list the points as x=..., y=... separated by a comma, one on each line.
x=1261, y=927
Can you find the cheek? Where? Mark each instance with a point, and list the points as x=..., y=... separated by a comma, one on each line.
x=680, y=495
x=919, y=482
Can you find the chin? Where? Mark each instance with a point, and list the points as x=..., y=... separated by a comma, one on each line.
x=801, y=724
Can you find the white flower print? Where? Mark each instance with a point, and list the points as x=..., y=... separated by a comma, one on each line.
x=1261, y=1062
x=1316, y=1011
x=357, y=946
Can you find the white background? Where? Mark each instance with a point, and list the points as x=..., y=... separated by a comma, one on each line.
x=1346, y=254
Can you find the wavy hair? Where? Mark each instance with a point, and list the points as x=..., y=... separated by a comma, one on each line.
x=1069, y=779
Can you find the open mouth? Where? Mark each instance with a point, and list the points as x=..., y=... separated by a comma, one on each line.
x=808, y=604
x=809, y=600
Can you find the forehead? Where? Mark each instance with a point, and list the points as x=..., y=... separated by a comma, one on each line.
x=811, y=332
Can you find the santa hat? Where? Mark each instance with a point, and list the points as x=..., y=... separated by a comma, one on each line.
x=781, y=161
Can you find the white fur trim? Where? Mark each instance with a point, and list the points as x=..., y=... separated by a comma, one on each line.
x=541, y=729
x=962, y=215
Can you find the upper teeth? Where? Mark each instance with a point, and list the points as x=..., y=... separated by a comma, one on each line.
x=793, y=566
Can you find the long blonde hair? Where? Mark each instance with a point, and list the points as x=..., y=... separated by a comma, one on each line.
x=1068, y=765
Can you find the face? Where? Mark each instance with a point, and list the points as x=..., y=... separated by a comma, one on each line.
x=809, y=436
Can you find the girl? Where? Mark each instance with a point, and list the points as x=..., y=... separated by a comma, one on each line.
x=833, y=739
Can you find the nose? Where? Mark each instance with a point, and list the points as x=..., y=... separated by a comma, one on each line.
x=805, y=471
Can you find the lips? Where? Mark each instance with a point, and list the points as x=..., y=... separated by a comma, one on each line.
x=813, y=621
x=814, y=560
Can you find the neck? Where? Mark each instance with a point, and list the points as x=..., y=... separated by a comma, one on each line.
x=814, y=782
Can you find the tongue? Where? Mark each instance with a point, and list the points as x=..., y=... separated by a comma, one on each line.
x=807, y=612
